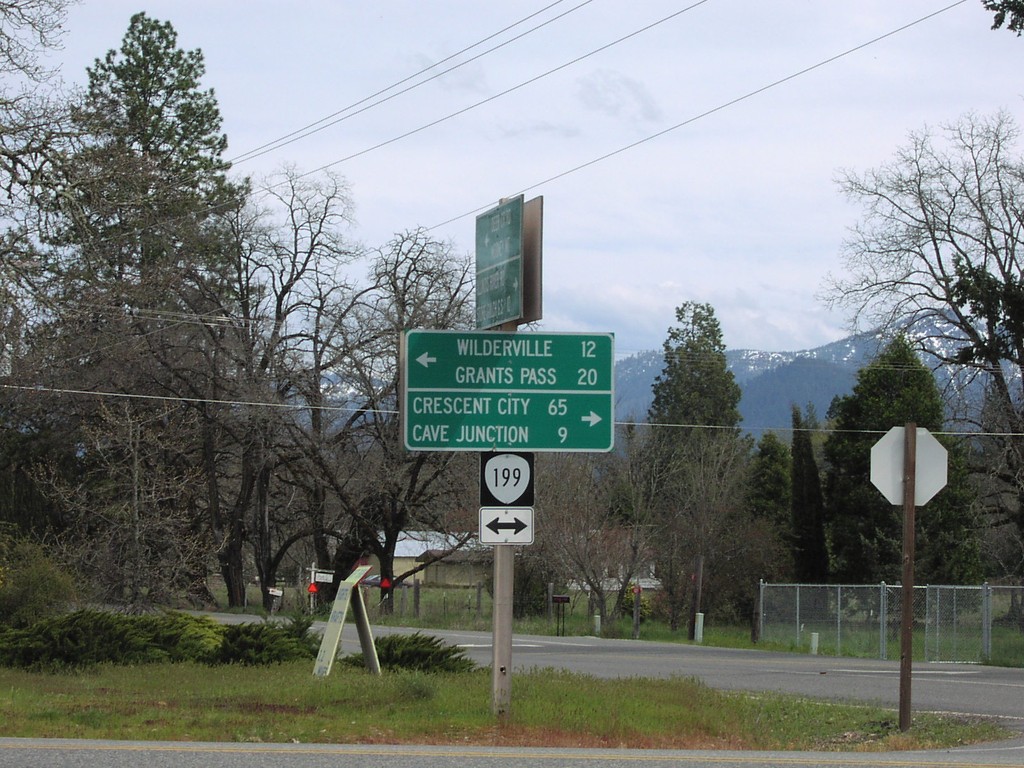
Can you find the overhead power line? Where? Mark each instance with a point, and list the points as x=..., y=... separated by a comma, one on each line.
x=507, y=91
x=677, y=126
x=347, y=112
x=608, y=155
x=392, y=412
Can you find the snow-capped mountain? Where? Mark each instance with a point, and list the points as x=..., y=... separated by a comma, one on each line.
x=773, y=382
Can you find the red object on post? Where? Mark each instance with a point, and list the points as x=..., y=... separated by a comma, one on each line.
x=385, y=583
x=312, y=588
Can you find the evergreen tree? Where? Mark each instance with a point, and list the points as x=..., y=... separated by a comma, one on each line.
x=770, y=500
x=696, y=386
x=810, y=555
x=771, y=484
x=136, y=215
x=145, y=101
x=141, y=186
x=865, y=530
x=1009, y=12
x=700, y=459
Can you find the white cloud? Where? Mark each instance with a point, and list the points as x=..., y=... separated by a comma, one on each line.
x=615, y=95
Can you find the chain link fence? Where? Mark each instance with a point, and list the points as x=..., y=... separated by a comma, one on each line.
x=951, y=624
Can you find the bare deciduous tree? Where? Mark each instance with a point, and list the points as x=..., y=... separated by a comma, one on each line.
x=130, y=515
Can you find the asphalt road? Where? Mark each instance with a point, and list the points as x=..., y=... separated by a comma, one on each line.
x=76, y=754
x=959, y=688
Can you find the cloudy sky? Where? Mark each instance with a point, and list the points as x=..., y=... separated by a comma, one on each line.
x=685, y=150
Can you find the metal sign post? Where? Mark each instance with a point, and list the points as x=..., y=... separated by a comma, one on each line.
x=507, y=394
x=501, y=658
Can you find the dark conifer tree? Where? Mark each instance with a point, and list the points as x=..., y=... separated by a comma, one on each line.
x=810, y=556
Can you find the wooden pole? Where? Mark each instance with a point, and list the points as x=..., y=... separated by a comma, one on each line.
x=907, y=615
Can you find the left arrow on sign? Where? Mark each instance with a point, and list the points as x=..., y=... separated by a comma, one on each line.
x=425, y=359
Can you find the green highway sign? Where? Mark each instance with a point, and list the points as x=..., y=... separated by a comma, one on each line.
x=490, y=391
x=499, y=264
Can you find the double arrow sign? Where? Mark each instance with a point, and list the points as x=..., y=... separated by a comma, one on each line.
x=505, y=525
x=516, y=527
x=506, y=498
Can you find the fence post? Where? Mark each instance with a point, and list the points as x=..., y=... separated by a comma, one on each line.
x=757, y=627
x=797, y=615
x=883, y=619
x=839, y=620
x=986, y=621
x=929, y=633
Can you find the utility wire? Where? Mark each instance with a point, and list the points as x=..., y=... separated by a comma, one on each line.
x=329, y=120
x=688, y=121
x=194, y=400
x=594, y=161
x=392, y=412
x=621, y=150
x=507, y=91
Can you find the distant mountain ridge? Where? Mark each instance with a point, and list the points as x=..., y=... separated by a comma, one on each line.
x=772, y=382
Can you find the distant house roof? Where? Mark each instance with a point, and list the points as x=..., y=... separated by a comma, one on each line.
x=468, y=554
x=416, y=544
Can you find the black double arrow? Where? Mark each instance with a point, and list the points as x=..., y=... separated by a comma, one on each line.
x=517, y=526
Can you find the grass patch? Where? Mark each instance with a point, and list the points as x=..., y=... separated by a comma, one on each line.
x=285, y=703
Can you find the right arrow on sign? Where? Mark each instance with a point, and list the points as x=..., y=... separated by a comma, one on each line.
x=591, y=419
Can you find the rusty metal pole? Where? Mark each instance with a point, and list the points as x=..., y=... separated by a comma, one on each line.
x=907, y=613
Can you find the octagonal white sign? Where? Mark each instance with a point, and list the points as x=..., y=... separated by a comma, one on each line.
x=930, y=459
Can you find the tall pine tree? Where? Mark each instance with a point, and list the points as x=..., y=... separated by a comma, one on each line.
x=147, y=176
x=141, y=247
x=696, y=386
x=701, y=459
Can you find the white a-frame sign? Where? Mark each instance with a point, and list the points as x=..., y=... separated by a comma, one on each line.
x=348, y=593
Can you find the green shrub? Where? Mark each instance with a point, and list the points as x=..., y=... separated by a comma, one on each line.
x=646, y=607
x=85, y=638
x=184, y=637
x=78, y=639
x=265, y=644
x=416, y=652
x=32, y=585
